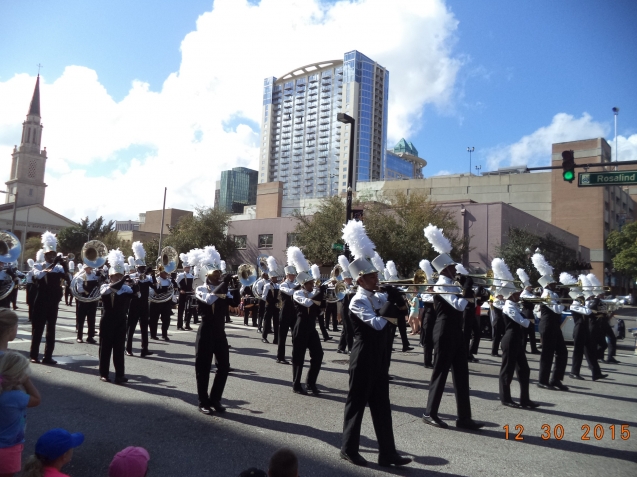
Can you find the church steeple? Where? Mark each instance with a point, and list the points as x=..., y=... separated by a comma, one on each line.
x=34, y=107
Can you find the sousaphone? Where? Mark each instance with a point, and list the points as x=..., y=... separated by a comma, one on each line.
x=10, y=250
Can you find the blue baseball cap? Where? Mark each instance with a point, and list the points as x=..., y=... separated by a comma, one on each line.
x=57, y=442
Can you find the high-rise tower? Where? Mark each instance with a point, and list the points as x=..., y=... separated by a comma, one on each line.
x=302, y=143
x=28, y=162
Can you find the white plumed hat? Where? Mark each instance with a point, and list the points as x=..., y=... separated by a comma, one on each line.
x=49, y=242
x=116, y=260
x=542, y=266
x=140, y=254
x=297, y=260
x=440, y=244
x=344, y=264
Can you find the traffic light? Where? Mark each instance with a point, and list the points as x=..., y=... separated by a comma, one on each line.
x=568, y=166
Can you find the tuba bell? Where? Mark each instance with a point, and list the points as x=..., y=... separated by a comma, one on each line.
x=337, y=293
x=10, y=249
x=167, y=262
x=247, y=274
x=94, y=255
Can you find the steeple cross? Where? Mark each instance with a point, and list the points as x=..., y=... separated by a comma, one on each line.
x=39, y=66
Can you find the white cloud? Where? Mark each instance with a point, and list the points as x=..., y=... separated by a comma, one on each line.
x=627, y=147
x=224, y=62
x=443, y=172
x=535, y=149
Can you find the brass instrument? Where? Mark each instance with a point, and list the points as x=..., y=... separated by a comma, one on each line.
x=167, y=262
x=337, y=293
x=335, y=275
x=10, y=250
x=94, y=255
x=579, y=285
x=247, y=274
x=420, y=278
x=549, y=301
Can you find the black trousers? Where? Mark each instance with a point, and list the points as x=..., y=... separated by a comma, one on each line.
x=368, y=389
x=529, y=337
x=29, y=291
x=427, y=337
x=583, y=345
x=285, y=323
x=157, y=311
x=261, y=313
x=471, y=332
x=68, y=296
x=347, y=333
x=497, y=332
x=321, y=322
x=552, y=344
x=270, y=318
x=112, y=341
x=514, y=361
x=44, y=314
x=252, y=311
x=402, y=329
x=451, y=354
x=607, y=340
x=312, y=343
x=85, y=311
x=138, y=314
x=14, y=297
x=181, y=307
x=208, y=346
x=331, y=313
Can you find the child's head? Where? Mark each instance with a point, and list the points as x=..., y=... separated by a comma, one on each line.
x=8, y=325
x=130, y=462
x=53, y=449
x=14, y=368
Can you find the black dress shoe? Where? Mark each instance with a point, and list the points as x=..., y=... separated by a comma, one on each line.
x=559, y=385
x=313, y=389
x=535, y=352
x=429, y=366
x=49, y=361
x=299, y=390
x=165, y=338
x=129, y=353
x=600, y=376
x=187, y=328
x=469, y=424
x=153, y=337
x=473, y=359
x=530, y=404
x=390, y=378
x=434, y=421
x=205, y=410
x=216, y=405
x=121, y=379
x=405, y=349
x=145, y=353
x=496, y=355
x=576, y=376
x=35, y=360
x=282, y=361
x=341, y=351
x=355, y=459
x=91, y=340
x=336, y=330
x=276, y=342
x=397, y=460
x=544, y=386
x=105, y=379
x=611, y=361
x=327, y=339
x=80, y=340
x=264, y=340
x=510, y=404
x=180, y=328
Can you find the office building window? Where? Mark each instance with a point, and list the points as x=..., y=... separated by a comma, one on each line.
x=292, y=239
x=265, y=241
x=241, y=242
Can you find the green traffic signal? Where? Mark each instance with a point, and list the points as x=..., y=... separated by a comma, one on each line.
x=568, y=166
x=569, y=176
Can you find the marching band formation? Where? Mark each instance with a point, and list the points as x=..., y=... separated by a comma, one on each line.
x=129, y=293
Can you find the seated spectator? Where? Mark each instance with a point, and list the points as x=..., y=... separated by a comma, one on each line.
x=130, y=462
x=17, y=392
x=253, y=472
x=53, y=451
x=8, y=328
x=283, y=463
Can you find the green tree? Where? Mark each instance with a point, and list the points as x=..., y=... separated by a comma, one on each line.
x=396, y=226
x=513, y=252
x=31, y=247
x=71, y=239
x=207, y=226
x=316, y=233
x=623, y=248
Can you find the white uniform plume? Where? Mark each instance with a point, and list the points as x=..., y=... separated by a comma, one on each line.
x=138, y=250
x=541, y=265
x=183, y=257
x=116, y=260
x=359, y=243
x=461, y=270
x=426, y=267
x=343, y=262
x=222, y=264
x=378, y=263
x=131, y=261
x=387, y=274
x=39, y=257
x=194, y=256
x=30, y=262
x=272, y=265
x=210, y=256
x=49, y=242
x=316, y=272
x=439, y=242
x=298, y=260
x=391, y=268
x=522, y=275
x=567, y=279
x=501, y=270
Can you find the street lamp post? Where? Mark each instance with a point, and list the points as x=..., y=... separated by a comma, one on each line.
x=478, y=168
x=616, y=112
x=470, y=150
x=346, y=119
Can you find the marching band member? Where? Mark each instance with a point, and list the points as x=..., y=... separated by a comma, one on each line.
x=116, y=297
x=30, y=292
x=605, y=334
x=86, y=310
x=68, y=296
x=451, y=353
x=17, y=276
x=497, y=320
x=7, y=274
x=184, y=282
x=316, y=275
x=160, y=310
x=271, y=298
x=369, y=361
x=331, y=307
x=250, y=305
x=513, y=353
x=392, y=275
x=138, y=312
x=471, y=316
x=211, y=339
x=582, y=313
x=260, y=283
x=287, y=315
x=428, y=317
x=527, y=310
x=45, y=305
x=550, y=329
x=347, y=335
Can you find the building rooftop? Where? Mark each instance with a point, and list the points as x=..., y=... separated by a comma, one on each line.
x=405, y=147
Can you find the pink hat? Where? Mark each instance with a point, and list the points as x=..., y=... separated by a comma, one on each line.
x=130, y=462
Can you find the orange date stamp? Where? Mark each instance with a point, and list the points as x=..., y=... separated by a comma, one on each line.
x=588, y=432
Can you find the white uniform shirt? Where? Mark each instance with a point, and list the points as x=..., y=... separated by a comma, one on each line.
x=204, y=294
x=183, y=275
x=39, y=273
x=106, y=289
x=88, y=278
x=304, y=297
x=364, y=306
x=582, y=310
x=267, y=287
x=260, y=283
x=452, y=298
x=287, y=287
x=512, y=310
x=555, y=306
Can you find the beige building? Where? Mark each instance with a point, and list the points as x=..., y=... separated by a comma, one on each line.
x=152, y=220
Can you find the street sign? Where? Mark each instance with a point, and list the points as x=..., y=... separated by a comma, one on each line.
x=597, y=179
x=337, y=246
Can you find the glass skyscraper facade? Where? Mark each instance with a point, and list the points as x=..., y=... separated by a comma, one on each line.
x=302, y=143
x=237, y=188
x=402, y=162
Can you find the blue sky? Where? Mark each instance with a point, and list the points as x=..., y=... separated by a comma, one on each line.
x=517, y=66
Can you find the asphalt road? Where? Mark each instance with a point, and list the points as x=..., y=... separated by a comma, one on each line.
x=157, y=410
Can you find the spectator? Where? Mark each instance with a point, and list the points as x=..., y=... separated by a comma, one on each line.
x=17, y=392
x=253, y=472
x=283, y=463
x=8, y=328
x=53, y=450
x=130, y=462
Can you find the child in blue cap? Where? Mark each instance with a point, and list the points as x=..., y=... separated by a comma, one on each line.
x=53, y=450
